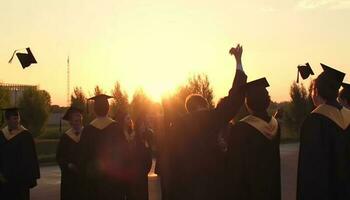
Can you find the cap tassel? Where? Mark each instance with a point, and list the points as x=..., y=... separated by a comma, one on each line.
x=298, y=72
x=13, y=55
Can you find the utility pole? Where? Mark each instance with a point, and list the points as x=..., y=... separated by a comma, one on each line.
x=68, y=82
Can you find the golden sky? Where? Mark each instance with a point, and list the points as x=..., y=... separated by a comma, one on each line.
x=157, y=44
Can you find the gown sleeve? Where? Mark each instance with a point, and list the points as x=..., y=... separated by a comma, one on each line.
x=30, y=171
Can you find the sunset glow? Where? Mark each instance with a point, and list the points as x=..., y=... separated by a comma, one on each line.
x=156, y=45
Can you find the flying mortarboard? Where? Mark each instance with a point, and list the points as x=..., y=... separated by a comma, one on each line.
x=334, y=75
x=305, y=71
x=26, y=59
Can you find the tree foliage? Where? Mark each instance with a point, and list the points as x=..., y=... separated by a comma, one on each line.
x=120, y=102
x=35, y=108
x=140, y=105
x=299, y=107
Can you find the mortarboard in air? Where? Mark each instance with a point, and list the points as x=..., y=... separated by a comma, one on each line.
x=335, y=76
x=70, y=111
x=305, y=71
x=26, y=59
x=256, y=84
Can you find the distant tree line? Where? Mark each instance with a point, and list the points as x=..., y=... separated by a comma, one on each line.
x=35, y=105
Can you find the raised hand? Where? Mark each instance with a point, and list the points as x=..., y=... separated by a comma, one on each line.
x=237, y=52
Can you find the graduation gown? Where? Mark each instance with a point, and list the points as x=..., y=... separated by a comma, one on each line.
x=137, y=162
x=188, y=160
x=100, y=160
x=324, y=156
x=254, y=160
x=18, y=164
x=68, y=156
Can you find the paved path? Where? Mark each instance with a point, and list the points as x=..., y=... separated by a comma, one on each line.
x=48, y=185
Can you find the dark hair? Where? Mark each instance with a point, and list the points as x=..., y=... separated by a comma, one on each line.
x=258, y=100
x=101, y=108
x=10, y=113
x=326, y=87
x=194, y=101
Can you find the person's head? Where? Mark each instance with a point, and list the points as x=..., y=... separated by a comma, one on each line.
x=344, y=96
x=196, y=102
x=257, y=98
x=316, y=99
x=327, y=84
x=12, y=118
x=101, y=105
x=74, y=116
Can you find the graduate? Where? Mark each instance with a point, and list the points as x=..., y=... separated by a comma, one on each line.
x=188, y=157
x=19, y=168
x=137, y=158
x=67, y=155
x=344, y=96
x=254, y=155
x=324, y=157
x=100, y=155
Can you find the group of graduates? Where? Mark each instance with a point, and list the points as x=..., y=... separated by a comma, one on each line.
x=203, y=154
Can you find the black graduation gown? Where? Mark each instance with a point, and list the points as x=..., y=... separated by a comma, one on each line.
x=100, y=161
x=67, y=153
x=188, y=160
x=253, y=170
x=137, y=164
x=324, y=156
x=19, y=166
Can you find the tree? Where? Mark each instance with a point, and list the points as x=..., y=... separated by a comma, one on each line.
x=120, y=102
x=35, y=108
x=298, y=108
x=98, y=90
x=79, y=100
x=140, y=104
x=200, y=84
x=174, y=105
x=4, y=100
x=4, y=97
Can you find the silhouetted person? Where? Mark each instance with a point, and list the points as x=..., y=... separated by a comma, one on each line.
x=137, y=158
x=344, y=96
x=100, y=155
x=324, y=157
x=188, y=155
x=67, y=155
x=19, y=168
x=254, y=157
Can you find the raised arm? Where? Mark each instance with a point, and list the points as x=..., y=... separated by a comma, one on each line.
x=230, y=105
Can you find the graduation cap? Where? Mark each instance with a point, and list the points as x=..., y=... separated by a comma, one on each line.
x=256, y=84
x=335, y=76
x=26, y=59
x=70, y=111
x=305, y=71
x=99, y=99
